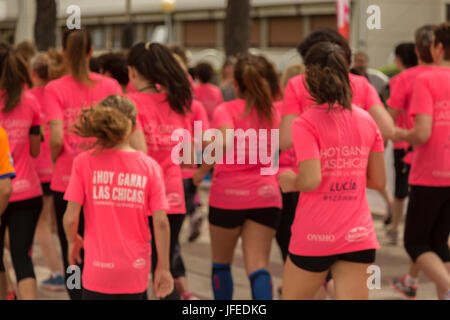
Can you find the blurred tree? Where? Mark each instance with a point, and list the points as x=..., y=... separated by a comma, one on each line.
x=237, y=27
x=45, y=25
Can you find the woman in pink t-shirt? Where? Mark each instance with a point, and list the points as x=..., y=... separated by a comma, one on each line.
x=65, y=98
x=339, y=152
x=163, y=100
x=245, y=198
x=20, y=117
x=427, y=224
x=39, y=73
x=119, y=188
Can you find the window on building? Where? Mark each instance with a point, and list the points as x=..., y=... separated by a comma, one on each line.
x=255, y=33
x=448, y=12
x=98, y=36
x=323, y=21
x=201, y=34
x=7, y=35
x=285, y=31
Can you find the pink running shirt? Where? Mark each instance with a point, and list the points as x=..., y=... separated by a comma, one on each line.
x=17, y=124
x=118, y=191
x=336, y=217
x=431, y=161
x=297, y=99
x=401, y=92
x=242, y=186
x=159, y=122
x=65, y=97
x=287, y=157
x=210, y=96
x=43, y=163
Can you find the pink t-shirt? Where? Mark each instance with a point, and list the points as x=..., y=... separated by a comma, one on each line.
x=65, y=98
x=431, y=161
x=43, y=163
x=118, y=191
x=198, y=113
x=401, y=91
x=287, y=157
x=238, y=186
x=210, y=96
x=159, y=121
x=336, y=217
x=17, y=124
x=297, y=99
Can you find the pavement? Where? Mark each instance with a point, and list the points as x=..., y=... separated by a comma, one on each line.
x=392, y=260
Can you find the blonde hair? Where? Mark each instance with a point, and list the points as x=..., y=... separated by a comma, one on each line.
x=110, y=122
x=291, y=72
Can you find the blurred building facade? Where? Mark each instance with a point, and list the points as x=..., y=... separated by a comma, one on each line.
x=277, y=26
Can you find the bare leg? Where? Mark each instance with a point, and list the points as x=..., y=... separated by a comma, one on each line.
x=299, y=284
x=27, y=289
x=350, y=280
x=398, y=208
x=436, y=270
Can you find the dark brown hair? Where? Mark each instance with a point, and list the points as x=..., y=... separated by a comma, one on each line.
x=26, y=49
x=157, y=65
x=250, y=76
x=272, y=77
x=442, y=35
x=13, y=77
x=327, y=76
x=77, y=44
x=424, y=37
x=204, y=72
x=110, y=121
x=116, y=64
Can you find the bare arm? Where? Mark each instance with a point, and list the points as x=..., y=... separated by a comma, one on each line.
x=70, y=222
x=35, y=145
x=137, y=141
x=285, y=131
x=5, y=193
x=56, y=138
x=310, y=176
x=376, y=171
x=383, y=120
x=420, y=134
x=162, y=238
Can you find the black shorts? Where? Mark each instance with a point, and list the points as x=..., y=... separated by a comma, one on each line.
x=401, y=174
x=324, y=263
x=230, y=219
x=91, y=295
x=46, y=189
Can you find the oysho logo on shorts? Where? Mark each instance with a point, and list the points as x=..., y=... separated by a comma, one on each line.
x=357, y=234
x=321, y=237
x=174, y=199
x=21, y=186
x=266, y=191
x=139, y=263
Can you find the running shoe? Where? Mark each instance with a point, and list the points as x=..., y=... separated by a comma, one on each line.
x=408, y=291
x=189, y=296
x=196, y=221
x=11, y=296
x=392, y=237
x=54, y=283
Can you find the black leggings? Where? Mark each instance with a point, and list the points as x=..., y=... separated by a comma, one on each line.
x=91, y=295
x=21, y=218
x=427, y=224
x=177, y=268
x=283, y=235
x=60, y=209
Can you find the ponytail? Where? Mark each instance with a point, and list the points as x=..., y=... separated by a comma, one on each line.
x=110, y=122
x=156, y=63
x=13, y=77
x=254, y=88
x=327, y=76
x=77, y=45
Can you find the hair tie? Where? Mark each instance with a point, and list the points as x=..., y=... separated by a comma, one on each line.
x=147, y=46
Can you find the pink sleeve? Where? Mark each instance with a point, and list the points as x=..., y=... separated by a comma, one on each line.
x=199, y=114
x=372, y=97
x=290, y=102
x=397, y=98
x=306, y=142
x=75, y=189
x=157, y=194
x=422, y=99
x=222, y=118
x=54, y=104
